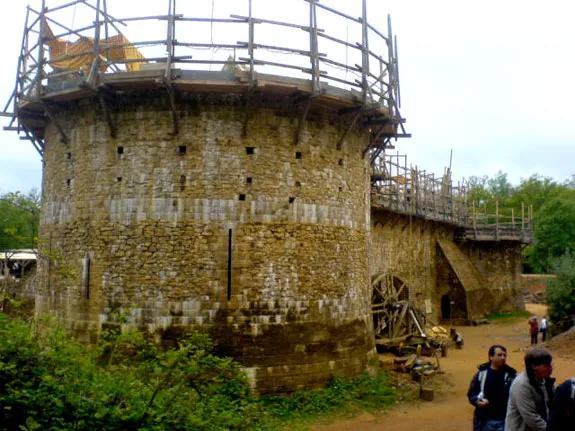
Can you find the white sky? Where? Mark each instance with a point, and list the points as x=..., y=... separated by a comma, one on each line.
x=491, y=80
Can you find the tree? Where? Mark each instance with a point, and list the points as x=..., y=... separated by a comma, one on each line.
x=19, y=219
x=554, y=230
x=560, y=292
x=535, y=190
x=500, y=187
x=478, y=192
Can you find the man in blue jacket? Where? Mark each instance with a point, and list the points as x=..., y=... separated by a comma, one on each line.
x=489, y=391
x=562, y=411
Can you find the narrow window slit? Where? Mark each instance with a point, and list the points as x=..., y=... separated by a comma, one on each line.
x=229, y=264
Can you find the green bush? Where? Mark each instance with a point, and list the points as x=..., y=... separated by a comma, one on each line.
x=50, y=382
x=560, y=292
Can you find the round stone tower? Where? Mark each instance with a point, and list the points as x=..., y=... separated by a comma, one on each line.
x=232, y=202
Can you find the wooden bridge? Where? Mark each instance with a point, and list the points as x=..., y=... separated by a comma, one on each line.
x=404, y=189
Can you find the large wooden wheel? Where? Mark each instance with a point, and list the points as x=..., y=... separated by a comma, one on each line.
x=390, y=306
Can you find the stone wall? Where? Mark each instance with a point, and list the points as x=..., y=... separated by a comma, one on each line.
x=258, y=240
x=267, y=244
x=535, y=284
x=500, y=263
x=407, y=248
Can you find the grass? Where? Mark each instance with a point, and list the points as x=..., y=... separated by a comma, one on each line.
x=509, y=316
x=340, y=398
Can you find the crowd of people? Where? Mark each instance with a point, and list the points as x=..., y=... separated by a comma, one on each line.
x=505, y=400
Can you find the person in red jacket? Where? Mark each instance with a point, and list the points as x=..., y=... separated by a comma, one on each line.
x=533, y=329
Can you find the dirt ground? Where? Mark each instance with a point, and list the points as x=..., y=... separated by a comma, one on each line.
x=450, y=410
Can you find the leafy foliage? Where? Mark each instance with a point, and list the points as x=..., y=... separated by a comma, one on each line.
x=49, y=382
x=560, y=292
x=554, y=230
x=535, y=190
x=19, y=216
x=553, y=212
x=500, y=188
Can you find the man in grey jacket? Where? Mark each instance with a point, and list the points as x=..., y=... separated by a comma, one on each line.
x=531, y=394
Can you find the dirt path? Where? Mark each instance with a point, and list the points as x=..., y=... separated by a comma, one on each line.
x=450, y=410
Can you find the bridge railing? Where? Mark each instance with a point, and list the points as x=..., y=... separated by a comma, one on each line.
x=348, y=47
x=481, y=225
x=409, y=190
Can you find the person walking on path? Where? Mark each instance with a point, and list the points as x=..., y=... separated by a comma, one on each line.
x=562, y=413
x=531, y=393
x=543, y=329
x=533, y=329
x=489, y=390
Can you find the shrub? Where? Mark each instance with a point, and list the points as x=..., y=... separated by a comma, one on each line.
x=50, y=382
x=560, y=292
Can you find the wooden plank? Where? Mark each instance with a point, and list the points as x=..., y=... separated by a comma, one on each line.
x=269, y=21
x=336, y=12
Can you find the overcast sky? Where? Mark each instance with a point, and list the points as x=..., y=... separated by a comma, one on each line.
x=491, y=80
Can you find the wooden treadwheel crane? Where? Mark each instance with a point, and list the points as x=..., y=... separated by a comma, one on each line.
x=394, y=316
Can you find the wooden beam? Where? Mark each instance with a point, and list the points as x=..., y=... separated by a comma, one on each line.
x=301, y=121
x=373, y=122
x=397, y=135
x=53, y=119
x=347, y=130
x=248, y=107
x=107, y=115
x=172, y=100
x=38, y=144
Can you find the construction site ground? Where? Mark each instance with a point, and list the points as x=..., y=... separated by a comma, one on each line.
x=450, y=410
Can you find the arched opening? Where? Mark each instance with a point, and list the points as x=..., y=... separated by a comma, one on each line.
x=445, y=307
